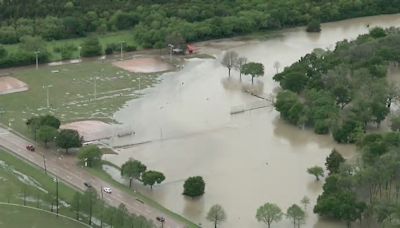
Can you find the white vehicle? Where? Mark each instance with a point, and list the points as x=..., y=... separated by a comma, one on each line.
x=107, y=190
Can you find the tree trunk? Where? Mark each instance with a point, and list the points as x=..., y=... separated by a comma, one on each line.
x=252, y=80
x=130, y=182
x=229, y=72
x=240, y=75
x=215, y=223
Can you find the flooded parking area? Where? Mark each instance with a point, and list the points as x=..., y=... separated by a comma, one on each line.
x=185, y=127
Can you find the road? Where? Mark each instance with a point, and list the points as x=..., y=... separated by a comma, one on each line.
x=66, y=169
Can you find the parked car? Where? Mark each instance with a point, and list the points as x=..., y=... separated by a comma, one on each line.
x=160, y=219
x=87, y=184
x=107, y=190
x=30, y=148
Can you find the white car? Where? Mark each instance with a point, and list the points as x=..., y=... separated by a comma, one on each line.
x=107, y=190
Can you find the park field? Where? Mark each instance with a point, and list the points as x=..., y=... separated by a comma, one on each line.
x=88, y=90
x=12, y=216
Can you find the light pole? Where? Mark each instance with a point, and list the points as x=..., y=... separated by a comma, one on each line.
x=47, y=94
x=170, y=51
x=56, y=180
x=44, y=164
x=37, y=59
x=139, y=83
x=79, y=52
x=122, y=43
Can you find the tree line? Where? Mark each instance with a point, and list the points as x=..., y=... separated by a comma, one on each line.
x=344, y=91
x=153, y=21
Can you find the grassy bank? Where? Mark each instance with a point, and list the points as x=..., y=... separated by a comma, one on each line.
x=106, y=177
x=11, y=217
x=72, y=92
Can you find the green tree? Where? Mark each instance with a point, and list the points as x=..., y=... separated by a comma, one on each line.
x=253, y=69
x=395, y=123
x=290, y=107
x=49, y=120
x=152, y=177
x=216, y=215
x=90, y=155
x=194, y=186
x=269, y=213
x=229, y=60
x=3, y=52
x=296, y=214
x=294, y=82
x=68, y=138
x=133, y=169
x=314, y=26
x=317, y=171
x=46, y=134
x=91, y=47
x=333, y=162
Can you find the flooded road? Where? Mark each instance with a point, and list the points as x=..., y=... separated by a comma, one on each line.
x=246, y=159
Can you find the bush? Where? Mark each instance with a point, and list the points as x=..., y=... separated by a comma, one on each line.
x=130, y=47
x=314, y=26
x=3, y=52
x=321, y=127
x=8, y=35
x=91, y=47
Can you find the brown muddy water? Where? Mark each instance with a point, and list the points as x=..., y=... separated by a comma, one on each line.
x=246, y=159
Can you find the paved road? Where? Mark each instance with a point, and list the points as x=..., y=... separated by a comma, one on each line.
x=66, y=169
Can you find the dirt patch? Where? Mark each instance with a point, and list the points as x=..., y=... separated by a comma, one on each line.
x=144, y=65
x=11, y=85
x=90, y=129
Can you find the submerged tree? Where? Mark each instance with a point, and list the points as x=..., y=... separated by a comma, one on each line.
x=269, y=213
x=229, y=60
x=216, y=214
x=133, y=169
x=317, y=171
x=296, y=214
x=239, y=64
x=253, y=69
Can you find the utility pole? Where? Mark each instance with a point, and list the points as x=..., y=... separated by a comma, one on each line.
x=37, y=59
x=139, y=83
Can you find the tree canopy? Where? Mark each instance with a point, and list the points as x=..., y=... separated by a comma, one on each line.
x=152, y=177
x=133, y=169
x=90, y=155
x=269, y=213
x=68, y=138
x=194, y=186
x=253, y=69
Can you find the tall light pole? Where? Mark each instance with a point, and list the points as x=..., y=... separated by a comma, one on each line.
x=170, y=51
x=37, y=59
x=56, y=180
x=47, y=94
x=79, y=52
x=139, y=83
x=122, y=43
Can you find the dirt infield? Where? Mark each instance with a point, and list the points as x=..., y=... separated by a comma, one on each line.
x=11, y=85
x=90, y=129
x=144, y=65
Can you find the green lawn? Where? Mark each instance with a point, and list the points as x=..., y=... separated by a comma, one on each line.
x=16, y=177
x=114, y=37
x=72, y=92
x=16, y=217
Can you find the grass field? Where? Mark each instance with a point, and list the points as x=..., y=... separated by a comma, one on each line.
x=108, y=38
x=16, y=177
x=72, y=92
x=11, y=217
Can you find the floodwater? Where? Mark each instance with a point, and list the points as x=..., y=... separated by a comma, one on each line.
x=246, y=159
